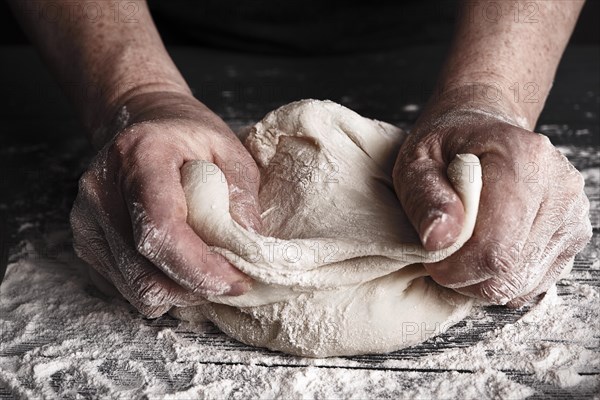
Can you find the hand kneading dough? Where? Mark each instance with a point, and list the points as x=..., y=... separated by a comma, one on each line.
x=337, y=268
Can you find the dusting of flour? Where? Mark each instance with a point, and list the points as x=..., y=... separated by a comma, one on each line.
x=60, y=338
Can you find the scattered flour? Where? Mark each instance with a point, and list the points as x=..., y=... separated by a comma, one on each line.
x=61, y=338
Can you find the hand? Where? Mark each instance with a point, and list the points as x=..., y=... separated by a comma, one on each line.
x=129, y=218
x=533, y=214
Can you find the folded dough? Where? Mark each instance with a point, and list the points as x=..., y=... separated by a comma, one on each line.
x=337, y=268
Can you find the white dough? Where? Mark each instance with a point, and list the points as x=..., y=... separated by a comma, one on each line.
x=337, y=270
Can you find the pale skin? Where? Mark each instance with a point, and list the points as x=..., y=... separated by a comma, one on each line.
x=129, y=219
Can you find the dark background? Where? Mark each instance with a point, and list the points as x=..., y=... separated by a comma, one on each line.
x=415, y=22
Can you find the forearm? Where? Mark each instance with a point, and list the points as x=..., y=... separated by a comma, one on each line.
x=101, y=56
x=505, y=53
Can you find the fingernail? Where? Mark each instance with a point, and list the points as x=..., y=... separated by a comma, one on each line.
x=440, y=232
x=240, y=287
x=429, y=227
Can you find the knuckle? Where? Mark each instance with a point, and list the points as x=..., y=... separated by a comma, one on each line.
x=150, y=234
x=554, y=273
x=81, y=241
x=87, y=236
x=570, y=216
x=573, y=182
x=152, y=311
x=541, y=141
x=577, y=241
x=492, y=294
x=577, y=227
x=508, y=278
x=518, y=302
x=86, y=179
x=88, y=185
x=501, y=291
x=149, y=309
x=587, y=231
x=125, y=139
x=203, y=285
x=537, y=145
x=498, y=261
x=150, y=239
x=149, y=291
x=563, y=217
x=578, y=181
x=569, y=181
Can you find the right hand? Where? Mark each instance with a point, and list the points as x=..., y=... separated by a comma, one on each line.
x=129, y=218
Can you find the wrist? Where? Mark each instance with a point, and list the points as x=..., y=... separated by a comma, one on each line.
x=136, y=104
x=167, y=105
x=120, y=75
x=482, y=97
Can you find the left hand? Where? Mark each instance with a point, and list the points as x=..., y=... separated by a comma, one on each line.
x=533, y=213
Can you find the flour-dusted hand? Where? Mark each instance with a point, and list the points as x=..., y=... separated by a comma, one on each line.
x=129, y=218
x=533, y=214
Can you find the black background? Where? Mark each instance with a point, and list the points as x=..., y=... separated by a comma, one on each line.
x=431, y=22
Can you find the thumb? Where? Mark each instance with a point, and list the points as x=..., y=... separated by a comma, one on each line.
x=429, y=200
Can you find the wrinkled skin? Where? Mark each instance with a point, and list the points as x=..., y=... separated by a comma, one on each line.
x=129, y=218
x=533, y=215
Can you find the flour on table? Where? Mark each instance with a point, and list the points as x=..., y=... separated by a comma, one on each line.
x=338, y=267
x=61, y=338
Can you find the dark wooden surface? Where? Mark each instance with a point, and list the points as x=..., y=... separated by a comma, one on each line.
x=43, y=149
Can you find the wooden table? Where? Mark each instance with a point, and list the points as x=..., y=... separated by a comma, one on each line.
x=43, y=151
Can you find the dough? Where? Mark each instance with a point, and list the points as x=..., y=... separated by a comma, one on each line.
x=337, y=268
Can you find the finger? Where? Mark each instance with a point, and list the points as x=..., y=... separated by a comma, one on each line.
x=560, y=264
x=576, y=233
x=95, y=251
x=243, y=179
x=569, y=222
x=136, y=299
x=138, y=280
x=502, y=228
x=146, y=282
x=430, y=202
x=540, y=268
x=158, y=211
x=88, y=241
x=563, y=262
x=141, y=283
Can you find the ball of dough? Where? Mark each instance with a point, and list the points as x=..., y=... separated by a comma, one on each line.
x=337, y=268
